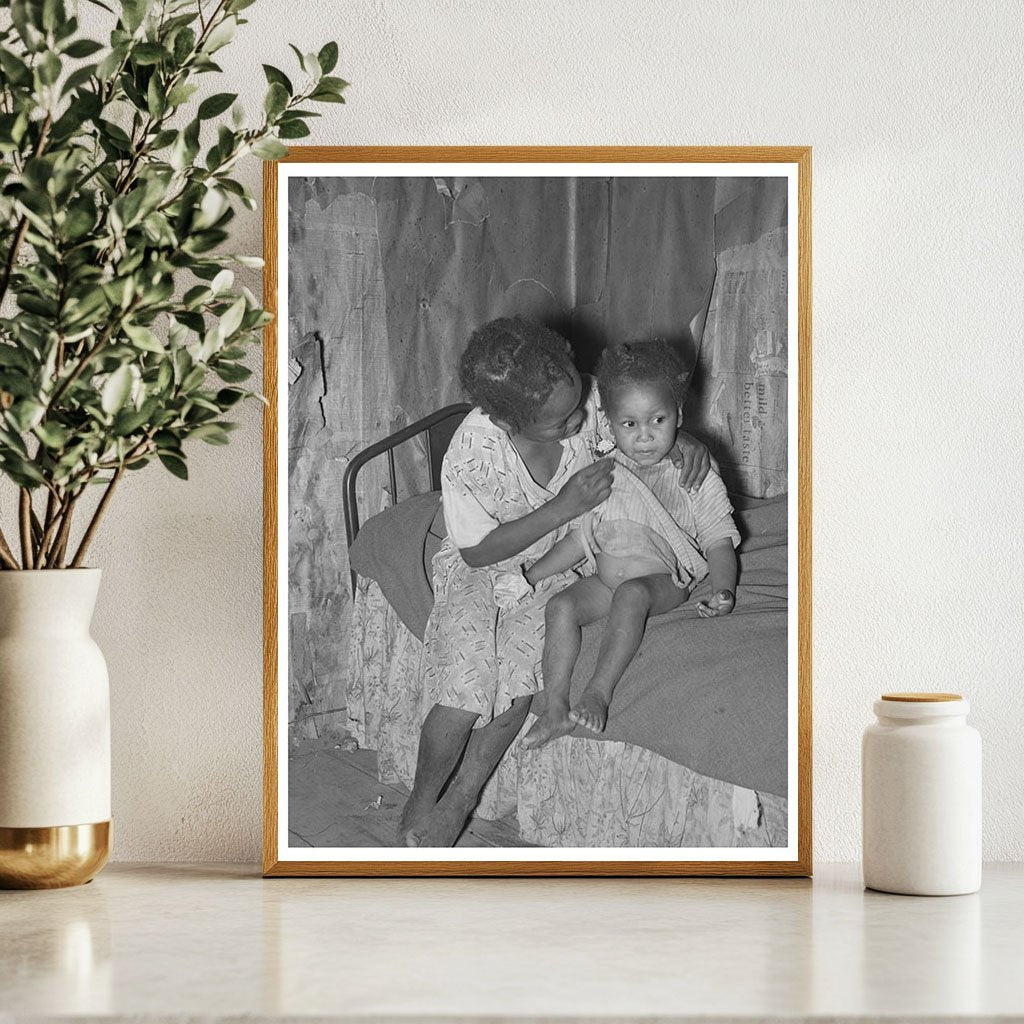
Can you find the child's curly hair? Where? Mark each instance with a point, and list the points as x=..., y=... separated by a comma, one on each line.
x=657, y=362
x=511, y=366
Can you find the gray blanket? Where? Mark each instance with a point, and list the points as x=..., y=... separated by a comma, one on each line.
x=395, y=548
x=707, y=693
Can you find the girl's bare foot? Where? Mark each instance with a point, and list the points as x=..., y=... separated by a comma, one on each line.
x=413, y=837
x=591, y=712
x=553, y=723
x=444, y=824
x=413, y=822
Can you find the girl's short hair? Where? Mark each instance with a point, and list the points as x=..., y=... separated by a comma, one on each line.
x=657, y=362
x=511, y=366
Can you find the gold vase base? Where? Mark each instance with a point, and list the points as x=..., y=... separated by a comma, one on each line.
x=54, y=857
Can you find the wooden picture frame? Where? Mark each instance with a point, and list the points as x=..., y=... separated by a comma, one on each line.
x=729, y=168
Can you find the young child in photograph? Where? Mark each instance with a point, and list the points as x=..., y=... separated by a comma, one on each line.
x=647, y=546
x=519, y=469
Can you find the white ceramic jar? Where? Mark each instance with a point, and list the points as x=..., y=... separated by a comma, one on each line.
x=921, y=777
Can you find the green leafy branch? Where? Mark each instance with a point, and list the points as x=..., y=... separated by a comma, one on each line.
x=116, y=192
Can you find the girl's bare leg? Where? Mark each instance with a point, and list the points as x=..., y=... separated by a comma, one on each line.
x=633, y=601
x=565, y=614
x=448, y=817
x=443, y=738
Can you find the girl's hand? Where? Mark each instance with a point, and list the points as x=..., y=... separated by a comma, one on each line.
x=586, y=488
x=721, y=604
x=693, y=459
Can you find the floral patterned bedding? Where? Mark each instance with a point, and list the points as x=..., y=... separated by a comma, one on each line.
x=575, y=792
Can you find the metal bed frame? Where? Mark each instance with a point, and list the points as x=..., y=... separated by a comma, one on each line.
x=438, y=427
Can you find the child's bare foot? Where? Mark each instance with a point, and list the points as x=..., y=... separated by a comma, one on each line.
x=553, y=723
x=591, y=712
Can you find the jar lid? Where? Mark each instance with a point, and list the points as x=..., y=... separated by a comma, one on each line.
x=921, y=698
x=921, y=705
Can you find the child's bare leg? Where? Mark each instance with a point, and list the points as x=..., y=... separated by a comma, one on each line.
x=565, y=614
x=633, y=601
x=483, y=752
x=443, y=738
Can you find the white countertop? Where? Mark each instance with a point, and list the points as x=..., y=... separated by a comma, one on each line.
x=177, y=941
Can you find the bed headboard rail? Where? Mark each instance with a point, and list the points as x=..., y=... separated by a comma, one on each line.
x=438, y=427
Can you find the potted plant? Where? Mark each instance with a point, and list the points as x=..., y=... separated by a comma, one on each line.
x=122, y=340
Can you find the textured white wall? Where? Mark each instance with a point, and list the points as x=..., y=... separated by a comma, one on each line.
x=914, y=113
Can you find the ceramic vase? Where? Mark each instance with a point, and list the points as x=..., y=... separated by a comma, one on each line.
x=54, y=731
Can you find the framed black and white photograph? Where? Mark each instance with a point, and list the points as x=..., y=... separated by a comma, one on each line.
x=537, y=511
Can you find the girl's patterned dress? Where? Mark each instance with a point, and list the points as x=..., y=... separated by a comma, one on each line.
x=477, y=656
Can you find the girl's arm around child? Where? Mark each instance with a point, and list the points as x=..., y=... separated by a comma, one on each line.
x=584, y=489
